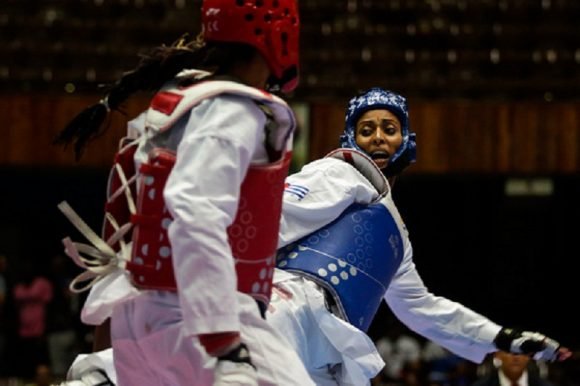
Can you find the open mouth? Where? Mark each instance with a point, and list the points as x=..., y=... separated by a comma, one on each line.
x=380, y=158
x=380, y=155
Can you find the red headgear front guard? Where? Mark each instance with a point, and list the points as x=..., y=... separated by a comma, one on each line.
x=271, y=26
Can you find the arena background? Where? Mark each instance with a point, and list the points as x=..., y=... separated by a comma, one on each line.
x=493, y=87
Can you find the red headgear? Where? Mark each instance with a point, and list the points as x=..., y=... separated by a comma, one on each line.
x=271, y=26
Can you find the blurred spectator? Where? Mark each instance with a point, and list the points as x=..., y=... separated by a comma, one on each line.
x=464, y=374
x=3, y=324
x=379, y=380
x=512, y=370
x=445, y=368
x=63, y=342
x=565, y=373
x=32, y=293
x=398, y=348
x=42, y=377
x=414, y=373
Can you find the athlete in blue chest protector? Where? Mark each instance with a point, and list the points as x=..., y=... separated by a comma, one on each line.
x=344, y=248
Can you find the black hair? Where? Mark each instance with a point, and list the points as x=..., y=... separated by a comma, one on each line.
x=155, y=68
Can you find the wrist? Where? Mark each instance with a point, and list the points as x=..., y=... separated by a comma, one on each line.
x=505, y=337
x=239, y=354
x=219, y=344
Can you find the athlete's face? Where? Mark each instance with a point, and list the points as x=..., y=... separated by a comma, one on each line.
x=378, y=133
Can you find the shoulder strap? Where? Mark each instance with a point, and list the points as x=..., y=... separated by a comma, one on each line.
x=172, y=102
x=365, y=165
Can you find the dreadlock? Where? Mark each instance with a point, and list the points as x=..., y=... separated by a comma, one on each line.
x=155, y=68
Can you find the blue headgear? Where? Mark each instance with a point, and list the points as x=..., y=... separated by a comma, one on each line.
x=374, y=99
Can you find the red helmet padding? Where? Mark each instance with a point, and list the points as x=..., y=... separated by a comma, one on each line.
x=271, y=26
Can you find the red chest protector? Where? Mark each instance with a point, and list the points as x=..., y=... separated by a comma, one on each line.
x=253, y=236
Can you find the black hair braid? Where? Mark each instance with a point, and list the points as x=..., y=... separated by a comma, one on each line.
x=83, y=127
x=154, y=70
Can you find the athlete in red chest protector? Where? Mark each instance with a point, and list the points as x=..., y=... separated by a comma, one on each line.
x=192, y=222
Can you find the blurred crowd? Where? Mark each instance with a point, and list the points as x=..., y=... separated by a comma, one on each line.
x=411, y=360
x=40, y=329
x=41, y=333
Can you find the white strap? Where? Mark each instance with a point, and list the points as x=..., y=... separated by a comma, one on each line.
x=100, y=258
x=124, y=188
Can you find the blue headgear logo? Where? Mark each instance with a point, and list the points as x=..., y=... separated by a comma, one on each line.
x=377, y=98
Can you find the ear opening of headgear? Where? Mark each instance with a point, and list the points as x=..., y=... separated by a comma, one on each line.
x=374, y=99
x=270, y=26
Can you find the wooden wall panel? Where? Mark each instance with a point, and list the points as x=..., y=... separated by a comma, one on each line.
x=503, y=139
x=479, y=137
x=31, y=123
x=452, y=136
x=327, y=123
x=431, y=116
x=568, y=141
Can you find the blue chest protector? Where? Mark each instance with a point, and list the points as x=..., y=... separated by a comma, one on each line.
x=354, y=258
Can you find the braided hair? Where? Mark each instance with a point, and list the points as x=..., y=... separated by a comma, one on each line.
x=154, y=69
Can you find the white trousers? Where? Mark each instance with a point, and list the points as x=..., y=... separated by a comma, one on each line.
x=334, y=352
x=96, y=361
x=151, y=350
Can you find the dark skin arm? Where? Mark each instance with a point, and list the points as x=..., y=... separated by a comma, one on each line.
x=102, y=339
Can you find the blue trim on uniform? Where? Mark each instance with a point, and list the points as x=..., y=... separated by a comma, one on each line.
x=297, y=190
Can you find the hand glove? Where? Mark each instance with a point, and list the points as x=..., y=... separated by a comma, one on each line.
x=530, y=343
x=93, y=377
x=235, y=368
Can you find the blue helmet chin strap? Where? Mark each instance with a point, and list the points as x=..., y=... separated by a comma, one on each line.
x=379, y=99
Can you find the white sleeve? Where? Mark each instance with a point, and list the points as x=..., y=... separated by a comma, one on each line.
x=222, y=137
x=136, y=126
x=318, y=194
x=447, y=323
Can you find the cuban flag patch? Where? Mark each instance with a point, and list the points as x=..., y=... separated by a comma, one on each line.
x=298, y=191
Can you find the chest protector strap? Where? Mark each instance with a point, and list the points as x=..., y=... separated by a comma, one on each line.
x=108, y=252
x=354, y=257
x=121, y=190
